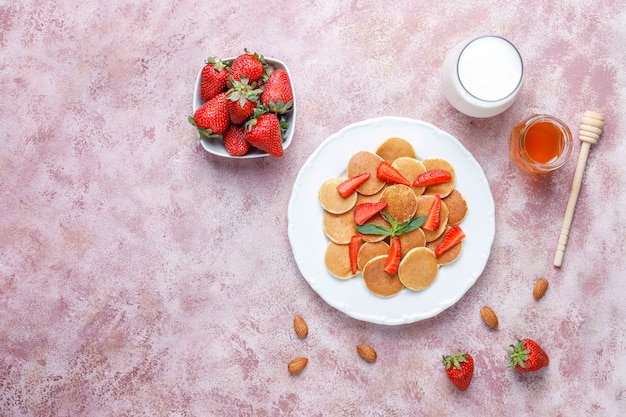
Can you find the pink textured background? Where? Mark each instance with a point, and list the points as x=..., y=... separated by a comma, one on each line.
x=141, y=276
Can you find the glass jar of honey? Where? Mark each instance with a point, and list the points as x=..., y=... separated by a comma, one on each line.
x=541, y=144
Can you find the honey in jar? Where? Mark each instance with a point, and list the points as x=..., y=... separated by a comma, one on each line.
x=540, y=144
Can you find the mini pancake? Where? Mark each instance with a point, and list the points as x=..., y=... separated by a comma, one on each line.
x=401, y=202
x=418, y=269
x=410, y=240
x=337, y=260
x=339, y=227
x=366, y=161
x=378, y=220
x=379, y=281
x=457, y=207
x=423, y=207
x=410, y=168
x=369, y=250
x=394, y=148
x=448, y=256
x=331, y=200
x=374, y=198
x=442, y=189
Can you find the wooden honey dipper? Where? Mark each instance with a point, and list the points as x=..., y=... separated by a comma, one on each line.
x=590, y=129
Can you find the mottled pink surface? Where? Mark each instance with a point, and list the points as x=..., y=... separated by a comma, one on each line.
x=142, y=276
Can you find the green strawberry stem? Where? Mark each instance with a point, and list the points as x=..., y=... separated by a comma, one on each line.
x=455, y=360
x=518, y=355
x=204, y=133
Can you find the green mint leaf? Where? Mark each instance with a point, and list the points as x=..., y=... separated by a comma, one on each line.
x=373, y=229
x=390, y=220
x=409, y=226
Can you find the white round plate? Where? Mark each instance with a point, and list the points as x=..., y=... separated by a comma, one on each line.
x=216, y=146
x=308, y=241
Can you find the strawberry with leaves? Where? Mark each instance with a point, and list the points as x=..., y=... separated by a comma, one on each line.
x=277, y=94
x=242, y=100
x=527, y=356
x=459, y=369
x=248, y=65
x=213, y=78
x=264, y=131
x=212, y=117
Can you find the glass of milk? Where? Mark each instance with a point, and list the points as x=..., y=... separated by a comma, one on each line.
x=481, y=77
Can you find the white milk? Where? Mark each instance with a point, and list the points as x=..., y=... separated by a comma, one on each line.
x=482, y=77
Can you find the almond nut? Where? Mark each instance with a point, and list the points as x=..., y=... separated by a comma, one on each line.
x=366, y=352
x=489, y=317
x=297, y=365
x=300, y=326
x=541, y=286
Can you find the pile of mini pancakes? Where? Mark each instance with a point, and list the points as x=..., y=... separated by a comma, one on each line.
x=418, y=266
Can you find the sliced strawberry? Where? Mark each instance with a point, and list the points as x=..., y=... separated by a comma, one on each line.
x=434, y=214
x=349, y=186
x=365, y=211
x=451, y=238
x=432, y=177
x=386, y=172
x=393, y=257
x=354, y=246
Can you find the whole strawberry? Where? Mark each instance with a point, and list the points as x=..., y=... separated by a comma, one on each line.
x=213, y=78
x=264, y=132
x=527, y=356
x=235, y=141
x=242, y=99
x=460, y=369
x=250, y=66
x=277, y=94
x=212, y=117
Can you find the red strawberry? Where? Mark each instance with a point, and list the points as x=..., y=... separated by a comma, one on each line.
x=211, y=118
x=235, y=141
x=527, y=356
x=365, y=211
x=393, y=257
x=212, y=78
x=460, y=369
x=451, y=238
x=349, y=186
x=432, y=220
x=277, y=94
x=242, y=99
x=386, y=172
x=354, y=246
x=432, y=177
x=247, y=65
x=264, y=133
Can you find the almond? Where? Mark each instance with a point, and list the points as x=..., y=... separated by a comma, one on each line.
x=297, y=365
x=489, y=317
x=300, y=326
x=541, y=286
x=366, y=352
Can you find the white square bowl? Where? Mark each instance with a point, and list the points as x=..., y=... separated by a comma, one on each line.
x=216, y=146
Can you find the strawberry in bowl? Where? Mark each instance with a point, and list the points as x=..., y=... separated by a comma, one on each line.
x=244, y=106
